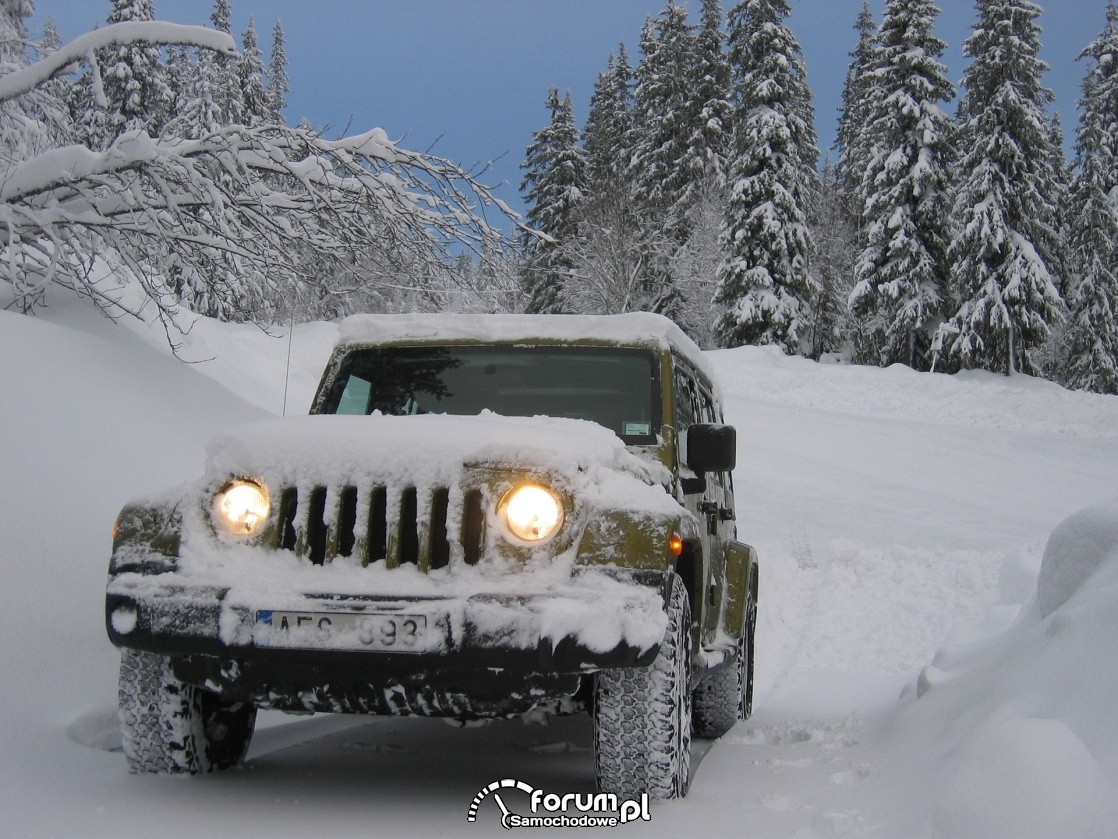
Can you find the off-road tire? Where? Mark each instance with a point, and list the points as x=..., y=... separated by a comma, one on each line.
x=724, y=696
x=642, y=719
x=718, y=699
x=170, y=727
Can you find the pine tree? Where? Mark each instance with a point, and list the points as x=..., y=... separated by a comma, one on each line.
x=553, y=187
x=608, y=128
x=1093, y=240
x=196, y=94
x=835, y=238
x=48, y=104
x=662, y=122
x=705, y=161
x=852, y=140
x=255, y=107
x=224, y=81
x=765, y=285
x=901, y=272
x=1008, y=300
x=134, y=78
x=278, y=85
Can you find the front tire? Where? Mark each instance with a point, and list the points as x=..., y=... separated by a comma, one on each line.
x=642, y=721
x=170, y=727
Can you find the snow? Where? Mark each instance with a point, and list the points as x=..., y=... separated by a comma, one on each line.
x=655, y=331
x=151, y=32
x=913, y=679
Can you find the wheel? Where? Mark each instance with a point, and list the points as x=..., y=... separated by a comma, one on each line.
x=170, y=727
x=642, y=720
x=725, y=696
x=719, y=697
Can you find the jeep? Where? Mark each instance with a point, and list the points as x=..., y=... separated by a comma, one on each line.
x=481, y=517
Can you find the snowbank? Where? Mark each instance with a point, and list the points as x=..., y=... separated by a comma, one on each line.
x=1023, y=719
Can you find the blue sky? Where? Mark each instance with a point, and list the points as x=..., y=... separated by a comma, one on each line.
x=468, y=78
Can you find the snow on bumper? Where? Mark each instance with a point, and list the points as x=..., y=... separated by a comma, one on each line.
x=599, y=618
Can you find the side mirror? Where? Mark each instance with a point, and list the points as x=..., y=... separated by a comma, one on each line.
x=712, y=448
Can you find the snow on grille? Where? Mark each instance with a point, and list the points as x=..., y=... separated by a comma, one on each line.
x=377, y=523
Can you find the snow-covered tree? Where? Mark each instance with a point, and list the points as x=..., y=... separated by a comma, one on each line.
x=146, y=208
x=554, y=184
x=835, y=238
x=255, y=107
x=608, y=128
x=663, y=120
x=765, y=285
x=278, y=84
x=1092, y=337
x=51, y=106
x=39, y=118
x=134, y=80
x=852, y=139
x=901, y=272
x=224, y=81
x=710, y=121
x=607, y=258
x=1007, y=295
x=196, y=86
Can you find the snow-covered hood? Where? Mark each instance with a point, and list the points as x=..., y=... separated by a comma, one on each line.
x=429, y=450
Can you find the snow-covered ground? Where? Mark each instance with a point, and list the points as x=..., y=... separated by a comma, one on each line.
x=911, y=683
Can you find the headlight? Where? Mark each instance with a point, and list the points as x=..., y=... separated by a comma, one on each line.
x=242, y=507
x=531, y=512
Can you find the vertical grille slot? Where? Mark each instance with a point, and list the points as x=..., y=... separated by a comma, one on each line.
x=288, y=507
x=347, y=521
x=378, y=525
x=439, y=556
x=407, y=542
x=317, y=530
x=473, y=518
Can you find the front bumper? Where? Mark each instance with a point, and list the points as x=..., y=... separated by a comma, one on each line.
x=565, y=630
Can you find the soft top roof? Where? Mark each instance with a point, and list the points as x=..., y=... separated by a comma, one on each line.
x=635, y=329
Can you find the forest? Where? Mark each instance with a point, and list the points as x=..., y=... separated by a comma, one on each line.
x=150, y=164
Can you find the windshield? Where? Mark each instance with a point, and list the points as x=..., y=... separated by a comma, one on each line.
x=616, y=388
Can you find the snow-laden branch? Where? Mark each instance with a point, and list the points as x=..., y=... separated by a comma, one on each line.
x=130, y=32
x=236, y=212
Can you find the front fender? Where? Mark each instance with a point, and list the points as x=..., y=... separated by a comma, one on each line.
x=742, y=581
x=146, y=539
x=634, y=540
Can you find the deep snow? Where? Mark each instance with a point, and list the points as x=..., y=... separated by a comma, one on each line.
x=910, y=681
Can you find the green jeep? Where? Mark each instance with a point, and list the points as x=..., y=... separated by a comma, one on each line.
x=482, y=517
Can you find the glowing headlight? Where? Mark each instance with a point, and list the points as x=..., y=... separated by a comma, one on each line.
x=242, y=507
x=531, y=512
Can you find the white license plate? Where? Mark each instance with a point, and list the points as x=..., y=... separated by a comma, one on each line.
x=389, y=632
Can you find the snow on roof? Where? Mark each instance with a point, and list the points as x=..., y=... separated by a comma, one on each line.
x=642, y=329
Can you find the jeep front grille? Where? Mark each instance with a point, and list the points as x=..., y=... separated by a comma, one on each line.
x=374, y=524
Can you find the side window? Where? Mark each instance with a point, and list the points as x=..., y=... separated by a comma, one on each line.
x=687, y=407
x=708, y=412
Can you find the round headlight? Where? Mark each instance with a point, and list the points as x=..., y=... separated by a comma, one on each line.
x=531, y=512
x=242, y=507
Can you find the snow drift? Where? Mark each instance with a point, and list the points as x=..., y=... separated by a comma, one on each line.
x=896, y=514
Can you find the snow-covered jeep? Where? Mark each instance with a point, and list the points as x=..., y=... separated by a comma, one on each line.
x=482, y=517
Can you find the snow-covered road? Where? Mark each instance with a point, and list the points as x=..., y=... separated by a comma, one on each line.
x=896, y=514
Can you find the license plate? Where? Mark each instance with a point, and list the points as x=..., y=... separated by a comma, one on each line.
x=388, y=632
